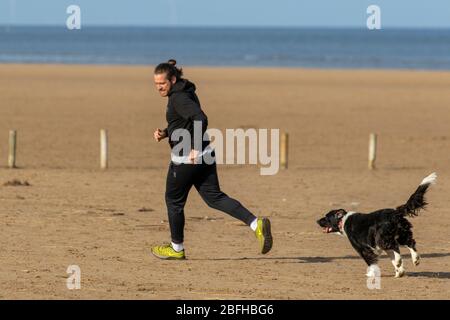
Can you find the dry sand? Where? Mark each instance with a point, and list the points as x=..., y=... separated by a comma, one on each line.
x=75, y=214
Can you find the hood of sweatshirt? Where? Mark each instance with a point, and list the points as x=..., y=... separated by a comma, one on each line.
x=182, y=85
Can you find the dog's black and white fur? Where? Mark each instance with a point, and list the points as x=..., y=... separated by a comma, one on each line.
x=382, y=230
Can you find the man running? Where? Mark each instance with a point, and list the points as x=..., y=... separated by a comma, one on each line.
x=189, y=168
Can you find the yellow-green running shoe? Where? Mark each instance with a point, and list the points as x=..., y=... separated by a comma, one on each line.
x=264, y=235
x=167, y=252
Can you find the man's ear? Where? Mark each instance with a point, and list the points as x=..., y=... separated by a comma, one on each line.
x=173, y=80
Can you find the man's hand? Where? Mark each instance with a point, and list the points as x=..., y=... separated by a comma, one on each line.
x=193, y=155
x=159, y=134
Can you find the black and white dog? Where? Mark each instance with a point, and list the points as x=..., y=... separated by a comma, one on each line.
x=382, y=230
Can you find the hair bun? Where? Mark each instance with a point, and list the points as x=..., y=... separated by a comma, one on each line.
x=172, y=62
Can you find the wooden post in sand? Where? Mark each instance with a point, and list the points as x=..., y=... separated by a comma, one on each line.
x=103, y=149
x=372, y=150
x=12, y=149
x=284, y=148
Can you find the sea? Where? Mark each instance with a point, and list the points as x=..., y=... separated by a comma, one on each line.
x=424, y=49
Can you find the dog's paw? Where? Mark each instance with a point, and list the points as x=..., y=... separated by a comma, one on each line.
x=400, y=272
x=416, y=260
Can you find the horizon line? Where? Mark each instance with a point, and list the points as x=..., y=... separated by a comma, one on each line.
x=6, y=25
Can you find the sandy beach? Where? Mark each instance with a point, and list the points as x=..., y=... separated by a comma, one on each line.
x=75, y=214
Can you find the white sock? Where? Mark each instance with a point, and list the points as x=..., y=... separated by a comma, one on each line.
x=177, y=247
x=254, y=224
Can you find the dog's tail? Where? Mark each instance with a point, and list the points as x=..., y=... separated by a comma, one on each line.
x=417, y=200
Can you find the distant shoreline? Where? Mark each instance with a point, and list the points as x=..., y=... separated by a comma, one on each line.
x=212, y=67
x=196, y=68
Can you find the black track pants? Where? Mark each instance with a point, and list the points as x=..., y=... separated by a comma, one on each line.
x=180, y=179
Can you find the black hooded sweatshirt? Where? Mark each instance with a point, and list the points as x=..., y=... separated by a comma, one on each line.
x=183, y=108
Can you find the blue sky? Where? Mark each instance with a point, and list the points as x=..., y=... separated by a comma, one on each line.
x=301, y=13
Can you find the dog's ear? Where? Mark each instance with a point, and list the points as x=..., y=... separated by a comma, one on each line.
x=340, y=213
